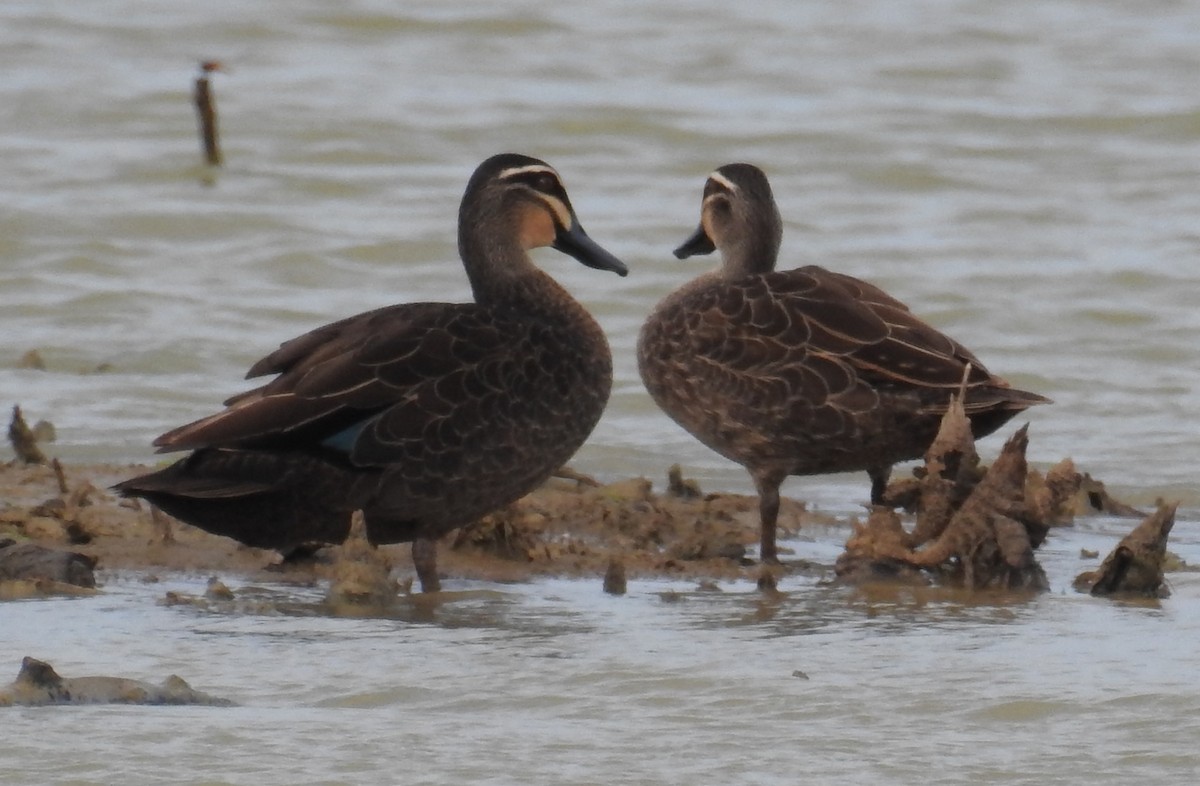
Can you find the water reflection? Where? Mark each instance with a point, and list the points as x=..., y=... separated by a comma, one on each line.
x=481, y=608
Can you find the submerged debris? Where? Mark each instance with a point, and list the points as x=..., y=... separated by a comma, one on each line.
x=39, y=684
x=614, y=577
x=1135, y=566
x=217, y=590
x=31, y=562
x=44, y=431
x=32, y=359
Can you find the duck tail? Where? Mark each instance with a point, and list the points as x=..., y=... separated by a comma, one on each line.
x=261, y=499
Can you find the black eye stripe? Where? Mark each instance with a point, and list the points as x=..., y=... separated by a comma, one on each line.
x=542, y=182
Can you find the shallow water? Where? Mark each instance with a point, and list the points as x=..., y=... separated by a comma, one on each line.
x=1023, y=176
x=555, y=682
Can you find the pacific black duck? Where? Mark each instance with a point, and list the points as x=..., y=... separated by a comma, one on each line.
x=425, y=416
x=805, y=371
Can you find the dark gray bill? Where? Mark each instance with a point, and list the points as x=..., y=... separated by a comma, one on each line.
x=575, y=242
x=698, y=243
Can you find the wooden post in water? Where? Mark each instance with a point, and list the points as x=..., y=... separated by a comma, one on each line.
x=206, y=113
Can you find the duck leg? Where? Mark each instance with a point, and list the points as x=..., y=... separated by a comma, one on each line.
x=767, y=484
x=424, y=557
x=879, y=481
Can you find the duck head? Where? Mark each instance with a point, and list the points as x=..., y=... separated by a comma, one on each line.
x=513, y=199
x=738, y=216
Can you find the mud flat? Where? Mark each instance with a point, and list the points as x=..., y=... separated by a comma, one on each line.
x=967, y=526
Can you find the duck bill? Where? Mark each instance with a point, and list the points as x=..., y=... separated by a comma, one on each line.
x=698, y=243
x=575, y=242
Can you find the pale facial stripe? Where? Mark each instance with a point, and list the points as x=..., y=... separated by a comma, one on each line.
x=560, y=211
x=721, y=188
x=529, y=169
x=717, y=176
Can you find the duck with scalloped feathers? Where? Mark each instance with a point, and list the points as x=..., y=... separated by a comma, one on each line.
x=804, y=371
x=425, y=416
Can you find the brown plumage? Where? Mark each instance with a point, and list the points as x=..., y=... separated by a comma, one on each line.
x=425, y=416
x=804, y=371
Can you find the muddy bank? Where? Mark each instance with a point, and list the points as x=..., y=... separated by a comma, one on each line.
x=571, y=527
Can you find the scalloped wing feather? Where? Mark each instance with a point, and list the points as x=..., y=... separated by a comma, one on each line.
x=344, y=374
x=812, y=345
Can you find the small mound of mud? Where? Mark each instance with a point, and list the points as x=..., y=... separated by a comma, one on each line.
x=361, y=573
x=38, y=684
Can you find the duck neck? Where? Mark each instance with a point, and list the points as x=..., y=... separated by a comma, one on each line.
x=755, y=249
x=502, y=274
x=491, y=254
x=753, y=255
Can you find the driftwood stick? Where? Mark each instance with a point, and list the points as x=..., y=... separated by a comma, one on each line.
x=206, y=113
x=61, y=476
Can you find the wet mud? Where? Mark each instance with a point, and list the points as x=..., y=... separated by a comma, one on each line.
x=953, y=523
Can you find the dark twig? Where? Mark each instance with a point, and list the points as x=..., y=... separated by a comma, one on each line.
x=206, y=112
x=61, y=476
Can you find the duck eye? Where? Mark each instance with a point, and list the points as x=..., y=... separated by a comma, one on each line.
x=547, y=184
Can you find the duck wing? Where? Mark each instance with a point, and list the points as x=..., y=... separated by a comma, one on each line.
x=909, y=353
x=358, y=385
x=831, y=339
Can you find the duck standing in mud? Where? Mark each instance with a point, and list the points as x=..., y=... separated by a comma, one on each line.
x=804, y=371
x=424, y=416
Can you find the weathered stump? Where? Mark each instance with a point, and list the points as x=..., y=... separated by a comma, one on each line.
x=978, y=530
x=1135, y=566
